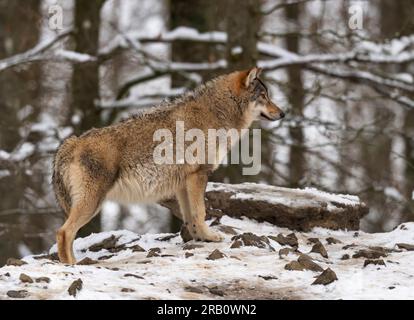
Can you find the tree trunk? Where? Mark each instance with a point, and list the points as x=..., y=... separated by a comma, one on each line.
x=242, y=27
x=296, y=97
x=243, y=23
x=85, y=78
x=19, y=31
x=200, y=15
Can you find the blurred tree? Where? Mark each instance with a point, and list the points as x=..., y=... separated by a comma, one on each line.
x=397, y=20
x=85, y=78
x=242, y=21
x=19, y=31
x=296, y=97
x=202, y=16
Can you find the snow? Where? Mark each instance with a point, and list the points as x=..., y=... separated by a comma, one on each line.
x=277, y=195
x=4, y=155
x=237, y=275
x=23, y=152
x=4, y=173
x=186, y=33
x=74, y=56
x=393, y=193
x=183, y=33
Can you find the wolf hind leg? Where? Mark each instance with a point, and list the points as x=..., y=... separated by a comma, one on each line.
x=79, y=215
x=191, y=200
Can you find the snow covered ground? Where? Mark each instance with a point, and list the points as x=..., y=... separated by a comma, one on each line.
x=119, y=267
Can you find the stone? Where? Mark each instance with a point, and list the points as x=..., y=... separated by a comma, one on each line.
x=25, y=278
x=326, y=277
x=75, y=287
x=297, y=209
x=215, y=255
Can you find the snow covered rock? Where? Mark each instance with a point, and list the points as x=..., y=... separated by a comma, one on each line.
x=124, y=265
x=296, y=209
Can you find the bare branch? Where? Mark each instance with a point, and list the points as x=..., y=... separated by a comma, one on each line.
x=35, y=54
x=279, y=6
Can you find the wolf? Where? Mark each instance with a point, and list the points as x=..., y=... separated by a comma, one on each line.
x=116, y=162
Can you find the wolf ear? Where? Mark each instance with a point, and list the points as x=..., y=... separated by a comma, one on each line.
x=252, y=75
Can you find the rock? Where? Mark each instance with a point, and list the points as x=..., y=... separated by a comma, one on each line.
x=308, y=264
x=382, y=249
x=192, y=246
x=294, y=266
x=15, y=262
x=406, y=246
x=369, y=254
x=25, y=278
x=319, y=248
x=109, y=243
x=127, y=290
x=75, y=287
x=133, y=275
x=106, y=257
x=154, y=252
x=52, y=257
x=215, y=255
x=188, y=254
x=185, y=234
x=19, y=294
x=228, y=230
x=117, y=249
x=216, y=291
x=286, y=251
x=374, y=262
x=290, y=240
x=136, y=248
x=87, y=261
x=236, y=244
x=332, y=240
x=268, y=278
x=349, y=246
x=167, y=238
x=326, y=277
x=43, y=279
x=289, y=208
x=345, y=257
x=249, y=239
x=314, y=240
x=193, y=289
x=215, y=222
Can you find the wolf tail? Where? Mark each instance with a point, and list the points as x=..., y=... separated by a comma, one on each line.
x=60, y=179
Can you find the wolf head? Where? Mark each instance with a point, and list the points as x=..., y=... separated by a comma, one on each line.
x=260, y=106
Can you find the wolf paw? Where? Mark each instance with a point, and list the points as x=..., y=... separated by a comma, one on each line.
x=211, y=236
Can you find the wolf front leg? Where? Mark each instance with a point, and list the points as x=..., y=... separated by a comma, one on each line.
x=191, y=200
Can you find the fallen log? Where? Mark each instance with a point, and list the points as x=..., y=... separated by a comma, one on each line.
x=296, y=209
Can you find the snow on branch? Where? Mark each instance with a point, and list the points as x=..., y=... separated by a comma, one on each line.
x=184, y=34
x=35, y=54
x=349, y=64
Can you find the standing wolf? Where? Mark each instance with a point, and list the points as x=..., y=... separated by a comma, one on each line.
x=117, y=163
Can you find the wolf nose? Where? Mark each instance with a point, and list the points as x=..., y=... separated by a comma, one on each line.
x=282, y=115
